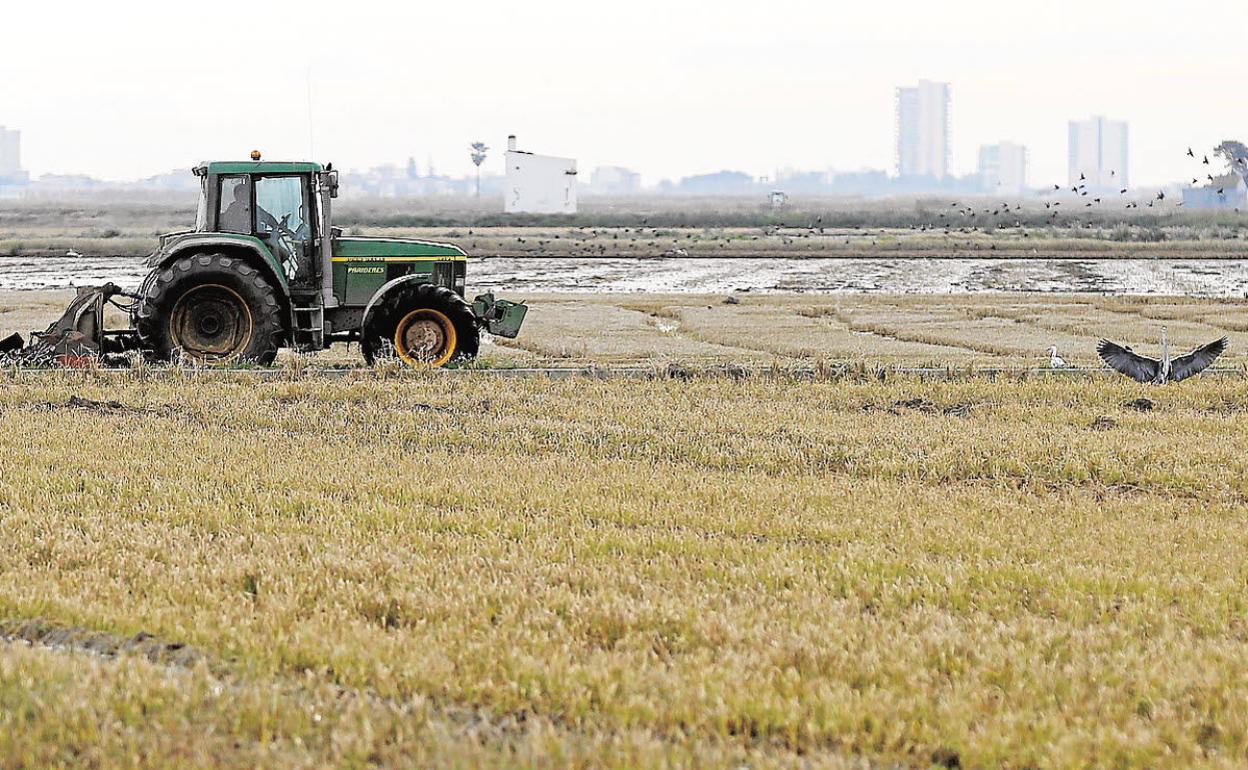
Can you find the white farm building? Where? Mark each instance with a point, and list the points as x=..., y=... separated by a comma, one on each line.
x=538, y=184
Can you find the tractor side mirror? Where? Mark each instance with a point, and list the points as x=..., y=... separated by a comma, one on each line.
x=331, y=182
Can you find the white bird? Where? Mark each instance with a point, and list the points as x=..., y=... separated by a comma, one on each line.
x=1144, y=369
x=1056, y=361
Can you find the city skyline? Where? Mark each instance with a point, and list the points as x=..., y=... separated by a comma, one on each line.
x=1097, y=158
x=681, y=93
x=1097, y=152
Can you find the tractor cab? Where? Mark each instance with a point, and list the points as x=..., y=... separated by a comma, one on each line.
x=284, y=206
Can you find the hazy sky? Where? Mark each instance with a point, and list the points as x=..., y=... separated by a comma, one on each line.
x=127, y=89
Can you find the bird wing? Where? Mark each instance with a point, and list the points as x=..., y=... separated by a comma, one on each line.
x=1195, y=362
x=1137, y=367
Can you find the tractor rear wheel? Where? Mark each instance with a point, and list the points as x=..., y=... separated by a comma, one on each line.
x=210, y=308
x=422, y=325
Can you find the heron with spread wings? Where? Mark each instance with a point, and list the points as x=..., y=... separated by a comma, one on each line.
x=1144, y=369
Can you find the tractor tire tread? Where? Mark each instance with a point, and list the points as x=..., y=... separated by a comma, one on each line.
x=159, y=295
x=381, y=322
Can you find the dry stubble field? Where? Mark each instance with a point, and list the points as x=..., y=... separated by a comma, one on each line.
x=462, y=571
x=786, y=330
x=456, y=570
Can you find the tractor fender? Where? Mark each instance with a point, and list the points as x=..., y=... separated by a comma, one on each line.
x=385, y=289
x=252, y=247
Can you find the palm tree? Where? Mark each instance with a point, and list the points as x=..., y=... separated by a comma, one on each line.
x=478, y=157
x=1236, y=156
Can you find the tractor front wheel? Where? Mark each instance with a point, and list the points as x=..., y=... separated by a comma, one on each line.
x=210, y=308
x=422, y=325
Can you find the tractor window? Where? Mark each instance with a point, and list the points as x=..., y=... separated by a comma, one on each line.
x=282, y=223
x=235, y=205
x=282, y=204
x=201, y=211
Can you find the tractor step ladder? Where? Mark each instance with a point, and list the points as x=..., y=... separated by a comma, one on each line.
x=308, y=333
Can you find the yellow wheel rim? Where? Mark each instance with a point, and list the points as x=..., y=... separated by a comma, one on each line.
x=425, y=337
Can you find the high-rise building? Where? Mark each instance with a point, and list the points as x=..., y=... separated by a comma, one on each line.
x=923, y=130
x=1003, y=168
x=1098, y=153
x=10, y=153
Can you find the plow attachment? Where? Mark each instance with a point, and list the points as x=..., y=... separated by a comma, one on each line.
x=11, y=344
x=77, y=338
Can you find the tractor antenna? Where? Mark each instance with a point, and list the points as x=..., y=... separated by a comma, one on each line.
x=311, y=136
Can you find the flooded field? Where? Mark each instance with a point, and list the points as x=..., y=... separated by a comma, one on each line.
x=1190, y=277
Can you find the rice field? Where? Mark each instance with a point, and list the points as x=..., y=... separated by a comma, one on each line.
x=779, y=558
x=461, y=571
x=1011, y=331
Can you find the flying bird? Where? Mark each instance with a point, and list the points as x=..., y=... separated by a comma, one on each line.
x=1081, y=176
x=1190, y=154
x=1206, y=161
x=1144, y=369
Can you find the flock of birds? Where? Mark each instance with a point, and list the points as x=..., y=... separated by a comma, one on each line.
x=1121, y=358
x=958, y=218
x=1091, y=199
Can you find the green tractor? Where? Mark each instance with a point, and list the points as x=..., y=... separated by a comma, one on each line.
x=264, y=268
